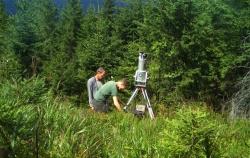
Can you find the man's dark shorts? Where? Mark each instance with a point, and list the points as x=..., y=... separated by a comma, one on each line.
x=100, y=106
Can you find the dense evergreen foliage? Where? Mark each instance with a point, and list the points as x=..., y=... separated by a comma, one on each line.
x=198, y=51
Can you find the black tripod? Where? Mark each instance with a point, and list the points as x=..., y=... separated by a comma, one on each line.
x=145, y=95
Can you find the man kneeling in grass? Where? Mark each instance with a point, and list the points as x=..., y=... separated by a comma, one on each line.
x=110, y=88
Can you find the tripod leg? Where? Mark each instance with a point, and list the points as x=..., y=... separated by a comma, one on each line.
x=131, y=98
x=150, y=110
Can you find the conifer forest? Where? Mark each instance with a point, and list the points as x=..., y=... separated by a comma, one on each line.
x=198, y=64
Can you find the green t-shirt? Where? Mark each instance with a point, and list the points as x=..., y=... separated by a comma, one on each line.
x=107, y=90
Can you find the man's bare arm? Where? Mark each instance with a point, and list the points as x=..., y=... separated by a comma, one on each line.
x=117, y=104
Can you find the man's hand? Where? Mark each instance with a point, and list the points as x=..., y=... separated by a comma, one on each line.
x=91, y=106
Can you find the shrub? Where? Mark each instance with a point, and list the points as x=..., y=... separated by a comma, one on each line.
x=19, y=115
x=235, y=140
x=192, y=133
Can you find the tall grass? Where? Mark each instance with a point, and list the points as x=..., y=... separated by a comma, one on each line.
x=34, y=123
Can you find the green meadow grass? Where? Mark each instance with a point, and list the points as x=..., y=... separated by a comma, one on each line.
x=33, y=123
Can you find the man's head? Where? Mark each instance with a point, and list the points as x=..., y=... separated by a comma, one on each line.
x=121, y=84
x=100, y=73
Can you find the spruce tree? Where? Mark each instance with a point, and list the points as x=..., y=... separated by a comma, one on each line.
x=86, y=42
x=3, y=22
x=192, y=49
x=69, y=26
x=62, y=69
x=33, y=33
x=127, y=19
x=45, y=19
x=9, y=63
x=99, y=45
x=126, y=28
x=108, y=11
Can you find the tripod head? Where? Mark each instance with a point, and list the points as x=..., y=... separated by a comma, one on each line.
x=141, y=74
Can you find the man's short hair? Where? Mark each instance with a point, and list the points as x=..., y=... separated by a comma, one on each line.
x=100, y=70
x=124, y=81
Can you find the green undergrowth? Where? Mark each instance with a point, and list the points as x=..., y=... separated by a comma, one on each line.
x=35, y=123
